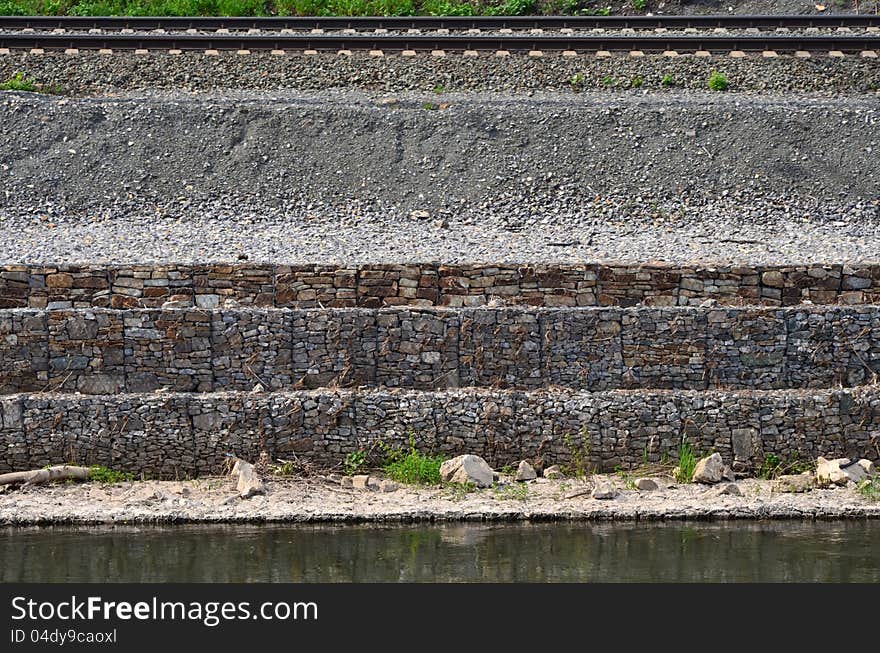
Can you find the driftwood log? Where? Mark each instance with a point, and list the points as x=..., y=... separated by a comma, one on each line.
x=46, y=475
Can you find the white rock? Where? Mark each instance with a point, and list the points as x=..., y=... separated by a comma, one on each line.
x=360, y=481
x=647, y=485
x=710, y=469
x=838, y=471
x=525, y=472
x=603, y=491
x=554, y=471
x=868, y=466
x=249, y=483
x=467, y=469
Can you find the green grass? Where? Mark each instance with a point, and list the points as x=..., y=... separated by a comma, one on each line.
x=103, y=474
x=667, y=81
x=773, y=467
x=291, y=7
x=870, y=488
x=19, y=82
x=718, y=81
x=411, y=466
x=687, y=463
x=354, y=462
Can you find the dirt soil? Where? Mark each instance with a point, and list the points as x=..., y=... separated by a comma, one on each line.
x=319, y=499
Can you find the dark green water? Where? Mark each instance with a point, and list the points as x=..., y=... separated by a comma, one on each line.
x=693, y=552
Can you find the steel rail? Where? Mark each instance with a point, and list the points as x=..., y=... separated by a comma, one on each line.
x=455, y=23
x=262, y=42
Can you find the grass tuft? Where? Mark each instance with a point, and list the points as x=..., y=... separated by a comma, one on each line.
x=103, y=474
x=411, y=466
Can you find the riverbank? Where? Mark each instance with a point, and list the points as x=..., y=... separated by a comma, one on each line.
x=321, y=500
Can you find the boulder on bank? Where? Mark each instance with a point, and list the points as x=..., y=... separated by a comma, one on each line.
x=709, y=469
x=525, y=472
x=249, y=482
x=554, y=471
x=647, y=485
x=603, y=491
x=841, y=471
x=467, y=469
x=795, y=483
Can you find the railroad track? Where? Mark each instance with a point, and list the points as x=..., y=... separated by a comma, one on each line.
x=523, y=34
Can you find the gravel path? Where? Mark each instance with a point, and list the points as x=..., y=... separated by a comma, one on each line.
x=90, y=72
x=315, y=500
x=353, y=177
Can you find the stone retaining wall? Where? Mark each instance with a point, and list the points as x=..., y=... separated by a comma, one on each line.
x=174, y=435
x=373, y=286
x=97, y=351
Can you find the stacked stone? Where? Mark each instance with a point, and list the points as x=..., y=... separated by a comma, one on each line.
x=176, y=435
x=417, y=349
x=24, y=356
x=14, y=454
x=420, y=285
x=69, y=287
x=219, y=285
x=142, y=286
x=550, y=285
x=582, y=349
x=251, y=348
x=663, y=348
x=310, y=286
x=170, y=349
x=86, y=351
x=500, y=348
x=104, y=351
x=14, y=286
x=397, y=285
x=334, y=348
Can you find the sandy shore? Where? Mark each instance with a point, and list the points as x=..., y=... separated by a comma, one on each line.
x=318, y=499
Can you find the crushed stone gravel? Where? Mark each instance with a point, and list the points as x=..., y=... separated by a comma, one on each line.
x=354, y=177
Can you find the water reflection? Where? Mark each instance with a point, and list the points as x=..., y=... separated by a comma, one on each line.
x=693, y=552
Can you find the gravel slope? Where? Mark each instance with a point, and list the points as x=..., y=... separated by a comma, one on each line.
x=90, y=72
x=347, y=177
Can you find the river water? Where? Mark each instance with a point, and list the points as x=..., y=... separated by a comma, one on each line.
x=839, y=551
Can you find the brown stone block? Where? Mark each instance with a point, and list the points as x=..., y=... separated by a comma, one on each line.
x=61, y=280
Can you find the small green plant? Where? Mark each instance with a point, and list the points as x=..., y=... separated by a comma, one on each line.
x=286, y=468
x=580, y=455
x=577, y=81
x=508, y=470
x=601, y=11
x=431, y=106
x=458, y=491
x=439, y=88
x=770, y=467
x=628, y=481
x=640, y=5
x=870, y=488
x=103, y=474
x=718, y=81
x=637, y=81
x=411, y=466
x=667, y=81
x=608, y=81
x=511, y=491
x=687, y=463
x=19, y=82
x=354, y=462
